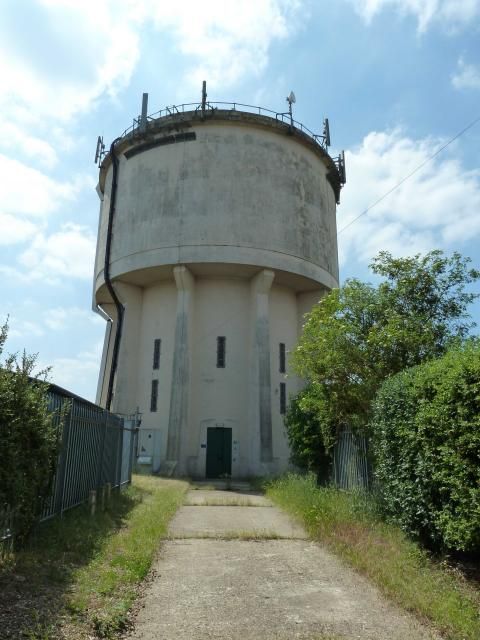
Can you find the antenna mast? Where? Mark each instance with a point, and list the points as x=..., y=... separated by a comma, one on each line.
x=291, y=100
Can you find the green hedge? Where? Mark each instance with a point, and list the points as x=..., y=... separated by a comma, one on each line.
x=28, y=441
x=426, y=444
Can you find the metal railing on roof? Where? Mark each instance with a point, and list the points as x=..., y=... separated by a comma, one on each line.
x=204, y=108
x=188, y=107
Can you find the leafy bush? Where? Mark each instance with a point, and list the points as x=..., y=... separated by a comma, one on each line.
x=28, y=440
x=426, y=443
x=308, y=428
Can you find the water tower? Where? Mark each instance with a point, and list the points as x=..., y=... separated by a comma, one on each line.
x=217, y=233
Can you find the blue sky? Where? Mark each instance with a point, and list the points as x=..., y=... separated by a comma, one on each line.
x=397, y=79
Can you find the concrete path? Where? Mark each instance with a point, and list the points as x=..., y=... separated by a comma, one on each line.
x=241, y=570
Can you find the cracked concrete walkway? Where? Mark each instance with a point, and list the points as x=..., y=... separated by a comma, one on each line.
x=237, y=568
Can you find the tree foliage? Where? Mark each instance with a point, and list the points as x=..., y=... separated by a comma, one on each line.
x=426, y=441
x=28, y=439
x=360, y=334
x=308, y=430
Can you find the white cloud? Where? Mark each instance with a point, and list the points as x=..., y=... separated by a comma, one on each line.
x=68, y=252
x=61, y=318
x=79, y=373
x=22, y=328
x=467, y=76
x=14, y=275
x=29, y=192
x=16, y=140
x=95, y=45
x=436, y=207
x=227, y=40
x=15, y=230
x=453, y=14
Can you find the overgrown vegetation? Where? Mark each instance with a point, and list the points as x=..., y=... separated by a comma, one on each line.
x=350, y=525
x=79, y=575
x=427, y=449
x=28, y=440
x=310, y=427
x=104, y=589
x=360, y=334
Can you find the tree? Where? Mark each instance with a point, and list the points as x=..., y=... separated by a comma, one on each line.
x=28, y=439
x=360, y=334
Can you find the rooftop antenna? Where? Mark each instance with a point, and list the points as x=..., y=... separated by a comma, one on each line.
x=204, y=97
x=143, y=117
x=99, y=151
x=326, y=132
x=341, y=167
x=291, y=100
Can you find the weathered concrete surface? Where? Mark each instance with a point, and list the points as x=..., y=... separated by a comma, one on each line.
x=226, y=498
x=215, y=522
x=260, y=590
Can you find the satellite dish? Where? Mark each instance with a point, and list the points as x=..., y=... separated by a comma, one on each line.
x=291, y=98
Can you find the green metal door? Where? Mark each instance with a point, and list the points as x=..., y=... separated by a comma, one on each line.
x=219, y=452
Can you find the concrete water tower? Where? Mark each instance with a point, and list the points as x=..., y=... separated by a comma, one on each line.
x=217, y=233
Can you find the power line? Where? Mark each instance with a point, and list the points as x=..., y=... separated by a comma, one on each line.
x=404, y=179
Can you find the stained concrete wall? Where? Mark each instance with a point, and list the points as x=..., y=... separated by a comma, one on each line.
x=234, y=194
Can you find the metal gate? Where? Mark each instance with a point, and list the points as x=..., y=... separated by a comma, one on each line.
x=350, y=461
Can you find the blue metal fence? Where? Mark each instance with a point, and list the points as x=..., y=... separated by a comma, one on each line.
x=96, y=448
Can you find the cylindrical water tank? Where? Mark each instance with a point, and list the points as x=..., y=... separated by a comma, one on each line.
x=222, y=236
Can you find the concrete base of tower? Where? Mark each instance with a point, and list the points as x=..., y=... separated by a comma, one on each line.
x=205, y=360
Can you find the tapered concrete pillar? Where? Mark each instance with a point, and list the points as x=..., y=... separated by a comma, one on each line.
x=107, y=350
x=179, y=398
x=125, y=385
x=260, y=383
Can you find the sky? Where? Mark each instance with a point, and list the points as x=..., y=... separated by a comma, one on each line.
x=398, y=79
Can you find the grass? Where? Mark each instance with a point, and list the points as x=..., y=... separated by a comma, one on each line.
x=80, y=575
x=349, y=524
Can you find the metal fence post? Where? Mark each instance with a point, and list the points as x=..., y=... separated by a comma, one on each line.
x=133, y=444
x=63, y=469
x=101, y=452
x=120, y=454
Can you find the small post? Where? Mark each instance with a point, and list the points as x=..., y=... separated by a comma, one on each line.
x=143, y=117
x=92, y=501
x=109, y=491
x=103, y=494
x=204, y=97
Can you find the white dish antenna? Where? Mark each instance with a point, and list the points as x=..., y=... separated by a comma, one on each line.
x=291, y=98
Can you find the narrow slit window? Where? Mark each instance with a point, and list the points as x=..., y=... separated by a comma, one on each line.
x=154, y=396
x=157, y=344
x=221, y=352
x=281, y=357
x=283, y=398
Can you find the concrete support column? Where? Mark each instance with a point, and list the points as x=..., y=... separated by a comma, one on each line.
x=260, y=384
x=179, y=398
x=125, y=386
x=106, y=362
